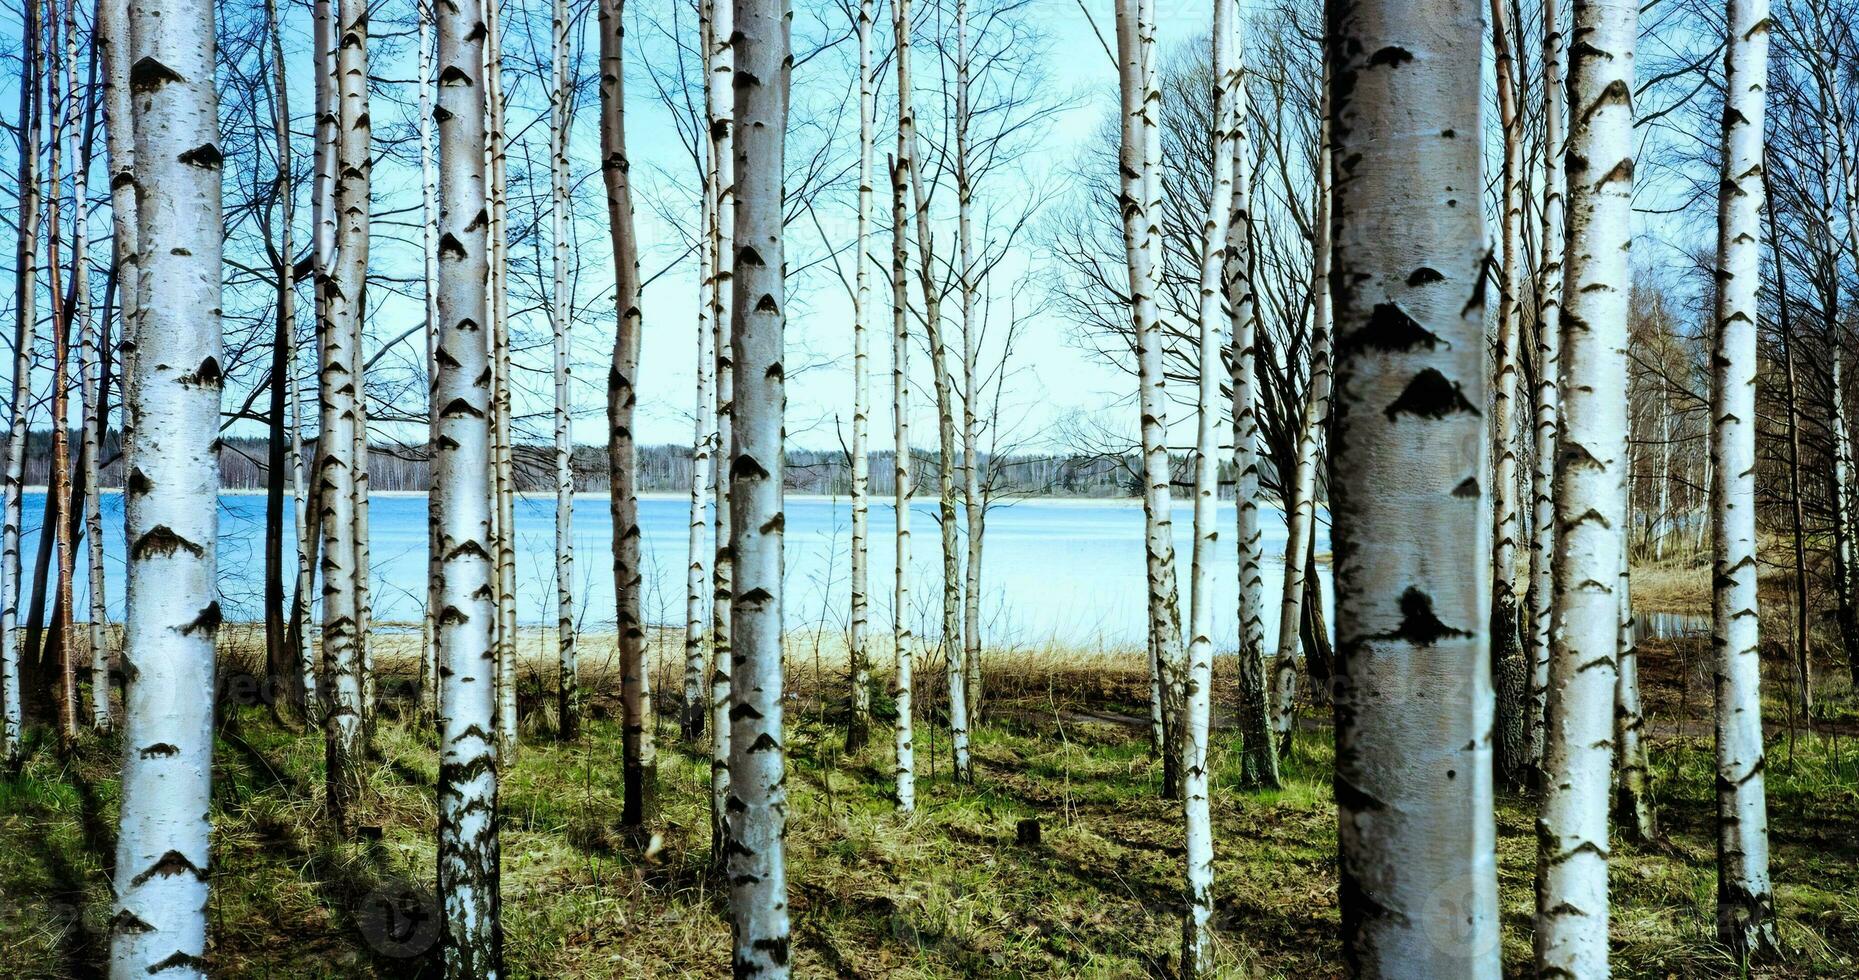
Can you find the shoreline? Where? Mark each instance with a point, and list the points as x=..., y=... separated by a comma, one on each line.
x=883, y=502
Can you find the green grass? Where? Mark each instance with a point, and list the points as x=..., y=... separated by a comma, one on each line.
x=945, y=893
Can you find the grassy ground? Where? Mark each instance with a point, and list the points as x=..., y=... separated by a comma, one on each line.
x=949, y=892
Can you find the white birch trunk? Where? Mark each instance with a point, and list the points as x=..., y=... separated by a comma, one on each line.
x=951, y=633
x=471, y=944
x=503, y=463
x=25, y=336
x=904, y=484
x=974, y=507
x=1197, y=703
x=429, y=242
x=1632, y=802
x=640, y=806
x=567, y=696
x=1548, y=369
x=1259, y=751
x=342, y=288
x=1590, y=492
x=90, y=379
x=159, y=923
x=698, y=589
x=1139, y=162
x=1410, y=453
x=1745, y=900
x=758, y=761
x=1301, y=509
x=1512, y=677
x=858, y=724
x=719, y=73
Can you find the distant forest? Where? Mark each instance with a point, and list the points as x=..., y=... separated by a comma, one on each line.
x=667, y=469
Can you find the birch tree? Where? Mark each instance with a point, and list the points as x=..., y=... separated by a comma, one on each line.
x=974, y=510
x=1139, y=163
x=1632, y=802
x=1512, y=674
x=159, y=921
x=342, y=287
x=69, y=313
x=1548, y=372
x=858, y=723
x=25, y=335
x=90, y=378
x=1410, y=452
x=503, y=519
x=1197, y=706
x=1745, y=900
x=719, y=72
x=902, y=479
x=640, y=805
x=1301, y=508
x=1259, y=754
x=951, y=638
x=286, y=670
x=698, y=588
x=471, y=944
x=429, y=248
x=567, y=698
x=1590, y=492
x=758, y=761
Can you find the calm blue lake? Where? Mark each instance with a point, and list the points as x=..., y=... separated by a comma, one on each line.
x=1053, y=571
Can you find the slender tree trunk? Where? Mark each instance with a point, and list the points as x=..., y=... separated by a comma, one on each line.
x=1847, y=614
x=1803, y=655
x=159, y=924
x=903, y=476
x=1632, y=792
x=758, y=761
x=1301, y=508
x=719, y=89
x=1847, y=158
x=25, y=334
x=975, y=508
x=345, y=712
x=641, y=757
x=567, y=697
x=1259, y=752
x=1509, y=670
x=471, y=944
x=703, y=441
x=429, y=242
x=1408, y=460
x=65, y=314
x=111, y=33
x=951, y=638
x=858, y=717
x=1548, y=370
x=287, y=676
x=503, y=463
x=1745, y=902
x=696, y=704
x=1197, y=705
x=1139, y=162
x=1591, y=511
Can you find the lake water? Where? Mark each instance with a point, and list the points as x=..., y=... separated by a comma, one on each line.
x=1069, y=572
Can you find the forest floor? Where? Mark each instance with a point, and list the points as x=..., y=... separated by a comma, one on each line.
x=954, y=891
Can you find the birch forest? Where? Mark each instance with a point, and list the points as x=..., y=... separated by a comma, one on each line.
x=1382, y=472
